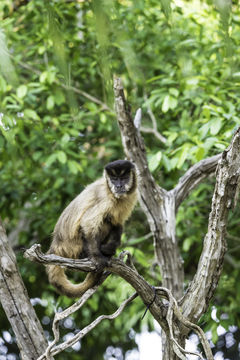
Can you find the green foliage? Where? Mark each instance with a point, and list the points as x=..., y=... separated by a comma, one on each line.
x=58, y=129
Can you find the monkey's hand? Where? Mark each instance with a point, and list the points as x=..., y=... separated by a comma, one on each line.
x=100, y=261
x=112, y=241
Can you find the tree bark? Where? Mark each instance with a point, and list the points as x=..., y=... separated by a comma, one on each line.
x=17, y=306
x=160, y=207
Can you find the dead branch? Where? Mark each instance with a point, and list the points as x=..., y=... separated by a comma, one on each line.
x=157, y=203
x=116, y=266
x=165, y=314
x=35, y=254
x=54, y=349
x=154, y=129
x=16, y=304
x=160, y=207
x=201, y=289
x=193, y=177
x=64, y=86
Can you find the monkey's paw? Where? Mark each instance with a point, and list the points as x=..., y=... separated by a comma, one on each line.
x=100, y=263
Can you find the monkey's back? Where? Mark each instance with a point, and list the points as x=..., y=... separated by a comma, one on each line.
x=89, y=209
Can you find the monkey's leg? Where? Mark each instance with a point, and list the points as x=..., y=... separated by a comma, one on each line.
x=112, y=241
x=92, y=249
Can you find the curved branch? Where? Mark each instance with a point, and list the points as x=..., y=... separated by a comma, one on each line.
x=116, y=266
x=133, y=142
x=201, y=289
x=67, y=87
x=157, y=203
x=16, y=303
x=54, y=350
x=193, y=177
x=154, y=132
x=163, y=313
x=35, y=254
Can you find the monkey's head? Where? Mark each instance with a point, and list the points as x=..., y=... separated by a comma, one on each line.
x=121, y=177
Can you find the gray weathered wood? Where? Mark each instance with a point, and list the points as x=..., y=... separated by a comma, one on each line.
x=160, y=207
x=17, y=306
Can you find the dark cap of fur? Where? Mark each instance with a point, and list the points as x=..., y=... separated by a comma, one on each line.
x=119, y=165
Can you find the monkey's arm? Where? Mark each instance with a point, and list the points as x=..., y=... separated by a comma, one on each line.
x=112, y=241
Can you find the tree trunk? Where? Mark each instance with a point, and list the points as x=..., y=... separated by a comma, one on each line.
x=17, y=306
x=160, y=207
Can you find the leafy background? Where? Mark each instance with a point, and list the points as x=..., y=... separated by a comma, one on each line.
x=178, y=60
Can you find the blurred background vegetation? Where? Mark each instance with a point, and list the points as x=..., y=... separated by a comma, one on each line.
x=180, y=62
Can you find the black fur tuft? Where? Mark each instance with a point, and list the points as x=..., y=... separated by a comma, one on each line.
x=119, y=165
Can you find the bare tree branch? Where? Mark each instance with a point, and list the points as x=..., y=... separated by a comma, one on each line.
x=16, y=304
x=192, y=178
x=160, y=207
x=157, y=203
x=67, y=87
x=154, y=132
x=173, y=310
x=201, y=289
x=116, y=266
x=154, y=129
x=165, y=314
x=66, y=344
x=52, y=349
x=35, y=254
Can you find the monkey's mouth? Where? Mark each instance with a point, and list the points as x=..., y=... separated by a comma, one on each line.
x=120, y=191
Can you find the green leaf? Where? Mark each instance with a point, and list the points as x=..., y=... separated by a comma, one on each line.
x=41, y=49
x=73, y=167
x=65, y=139
x=62, y=158
x=183, y=155
x=169, y=102
x=59, y=97
x=166, y=163
x=166, y=7
x=172, y=102
x=29, y=113
x=200, y=153
x=187, y=244
x=215, y=126
x=58, y=183
x=21, y=91
x=36, y=155
x=174, y=92
x=50, y=102
x=43, y=77
x=155, y=161
x=50, y=160
x=3, y=85
x=204, y=130
x=166, y=104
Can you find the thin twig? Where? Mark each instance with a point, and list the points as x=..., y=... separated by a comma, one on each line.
x=154, y=129
x=193, y=177
x=173, y=309
x=53, y=350
x=67, y=87
x=154, y=132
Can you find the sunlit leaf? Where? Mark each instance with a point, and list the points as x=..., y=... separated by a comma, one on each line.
x=155, y=161
x=62, y=157
x=215, y=126
x=21, y=91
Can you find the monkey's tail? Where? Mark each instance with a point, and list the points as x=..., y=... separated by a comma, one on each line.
x=58, y=278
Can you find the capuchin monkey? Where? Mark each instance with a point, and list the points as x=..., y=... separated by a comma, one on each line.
x=92, y=224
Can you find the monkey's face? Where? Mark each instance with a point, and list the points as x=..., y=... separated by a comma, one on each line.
x=120, y=176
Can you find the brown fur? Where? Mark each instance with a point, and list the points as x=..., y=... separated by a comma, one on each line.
x=82, y=221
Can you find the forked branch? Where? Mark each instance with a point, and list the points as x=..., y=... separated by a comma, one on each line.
x=168, y=315
x=201, y=289
x=53, y=348
x=193, y=177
